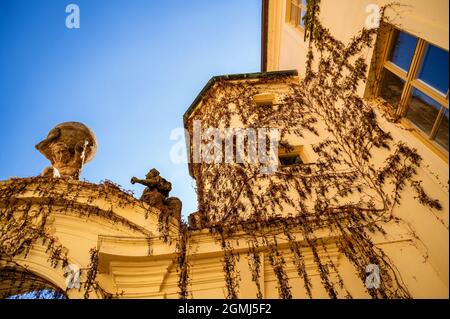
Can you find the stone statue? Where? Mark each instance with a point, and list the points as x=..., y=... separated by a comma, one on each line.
x=157, y=193
x=68, y=147
x=195, y=220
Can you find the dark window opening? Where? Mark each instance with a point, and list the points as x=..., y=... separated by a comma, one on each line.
x=290, y=159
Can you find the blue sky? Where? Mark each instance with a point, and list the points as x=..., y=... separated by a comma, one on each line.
x=129, y=73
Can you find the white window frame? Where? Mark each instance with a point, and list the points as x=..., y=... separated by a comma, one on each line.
x=300, y=7
x=413, y=82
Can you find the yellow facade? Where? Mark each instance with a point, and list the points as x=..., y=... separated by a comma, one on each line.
x=135, y=262
x=287, y=49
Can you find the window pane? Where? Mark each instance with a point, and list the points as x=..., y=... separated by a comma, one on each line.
x=442, y=133
x=294, y=13
x=391, y=88
x=291, y=159
x=302, y=22
x=434, y=69
x=403, y=49
x=423, y=111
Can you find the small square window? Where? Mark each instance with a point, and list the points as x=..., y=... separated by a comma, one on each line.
x=290, y=159
x=264, y=99
x=294, y=155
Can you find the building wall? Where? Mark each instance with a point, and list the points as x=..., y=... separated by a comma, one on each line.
x=143, y=266
x=287, y=49
x=425, y=19
x=418, y=245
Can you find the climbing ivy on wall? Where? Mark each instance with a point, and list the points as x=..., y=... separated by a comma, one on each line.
x=25, y=221
x=344, y=191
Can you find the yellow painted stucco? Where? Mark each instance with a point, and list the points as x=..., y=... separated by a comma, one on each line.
x=138, y=264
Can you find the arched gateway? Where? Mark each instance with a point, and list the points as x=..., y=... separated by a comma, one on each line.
x=51, y=227
x=74, y=237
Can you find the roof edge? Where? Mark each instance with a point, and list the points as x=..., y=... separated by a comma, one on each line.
x=238, y=76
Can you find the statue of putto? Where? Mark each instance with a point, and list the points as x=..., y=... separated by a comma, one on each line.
x=156, y=193
x=68, y=147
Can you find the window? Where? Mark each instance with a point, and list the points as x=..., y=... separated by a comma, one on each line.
x=264, y=99
x=414, y=81
x=290, y=159
x=295, y=12
x=295, y=156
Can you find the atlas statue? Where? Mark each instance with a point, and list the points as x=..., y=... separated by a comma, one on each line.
x=156, y=193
